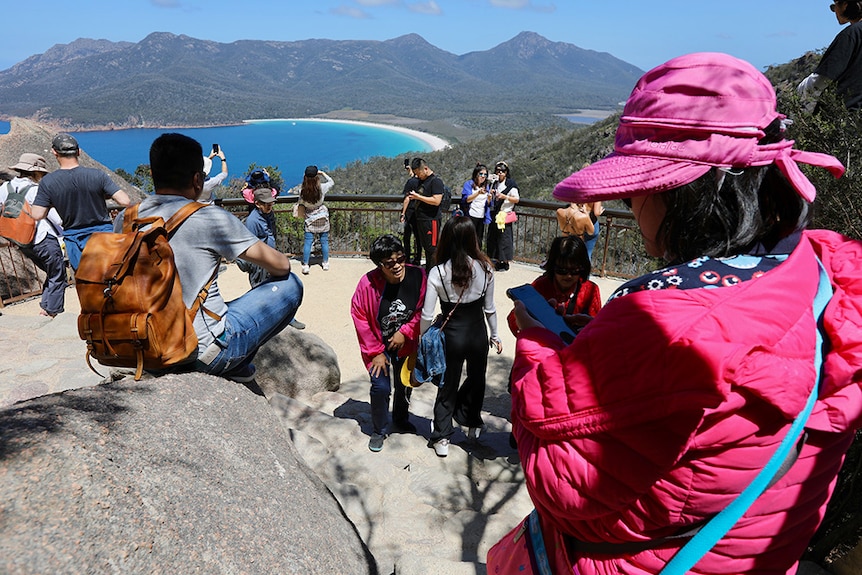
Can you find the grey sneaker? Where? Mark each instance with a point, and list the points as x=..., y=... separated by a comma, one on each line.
x=296, y=324
x=441, y=447
x=375, y=444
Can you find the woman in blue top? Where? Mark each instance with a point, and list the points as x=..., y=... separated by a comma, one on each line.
x=474, y=200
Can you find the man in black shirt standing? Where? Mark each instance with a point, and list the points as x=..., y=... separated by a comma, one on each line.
x=429, y=195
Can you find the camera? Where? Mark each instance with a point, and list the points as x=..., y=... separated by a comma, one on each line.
x=215, y=148
x=406, y=163
x=492, y=178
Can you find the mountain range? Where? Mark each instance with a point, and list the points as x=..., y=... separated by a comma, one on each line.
x=171, y=80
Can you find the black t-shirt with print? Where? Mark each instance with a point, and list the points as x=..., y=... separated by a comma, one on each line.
x=399, y=302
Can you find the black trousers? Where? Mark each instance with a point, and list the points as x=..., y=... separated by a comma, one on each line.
x=466, y=339
x=428, y=232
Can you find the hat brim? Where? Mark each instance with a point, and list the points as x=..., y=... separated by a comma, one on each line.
x=20, y=167
x=623, y=176
x=208, y=165
x=406, y=375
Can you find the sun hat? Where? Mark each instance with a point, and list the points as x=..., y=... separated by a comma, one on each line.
x=64, y=144
x=208, y=165
x=684, y=117
x=264, y=195
x=29, y=162
x=310, y=171
x=406, y=375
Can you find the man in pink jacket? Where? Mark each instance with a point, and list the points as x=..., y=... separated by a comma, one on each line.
x=384, y=311
x=674, y=397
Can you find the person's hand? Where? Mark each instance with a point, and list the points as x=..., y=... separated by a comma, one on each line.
x=496, y=343
x=379, y=363
x=577, y=320
x=523, y=318
x=397, y=342
x=221, y=154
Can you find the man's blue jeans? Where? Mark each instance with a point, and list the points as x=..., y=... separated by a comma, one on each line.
x=253, y=319
x=324, y=246
x=381, y=388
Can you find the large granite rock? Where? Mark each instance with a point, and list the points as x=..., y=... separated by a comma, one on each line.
x=297, y=364
x=179, y=474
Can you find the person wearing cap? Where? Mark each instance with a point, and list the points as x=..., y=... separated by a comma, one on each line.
x=211, y=183
x=429, y=195
x=229, y=333
x=385, y=312
x=311, y=208
x=260, y=222
x=501, y=238
x=842, y=61
x=45, y=252
x=79, y=195
x=668, y=404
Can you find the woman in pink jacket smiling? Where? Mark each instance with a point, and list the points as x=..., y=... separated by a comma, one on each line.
x=674, y=397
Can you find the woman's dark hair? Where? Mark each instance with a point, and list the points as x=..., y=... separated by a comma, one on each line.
x=569, y=250
x=458, y=243
x=727, y=212
x=310, y=190
x=476, y=170
x=383, y=247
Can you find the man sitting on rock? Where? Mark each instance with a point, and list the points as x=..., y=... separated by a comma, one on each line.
x=229, y=334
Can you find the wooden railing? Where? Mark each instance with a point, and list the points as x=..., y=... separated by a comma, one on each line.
x=357, y=220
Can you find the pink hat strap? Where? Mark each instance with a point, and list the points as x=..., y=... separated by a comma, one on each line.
x=787, y=160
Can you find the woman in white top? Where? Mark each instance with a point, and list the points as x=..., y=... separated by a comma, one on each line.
x=463, y=281
x=316, y=215
x=475, y=200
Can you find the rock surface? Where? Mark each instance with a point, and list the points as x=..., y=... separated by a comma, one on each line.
x=180, y=474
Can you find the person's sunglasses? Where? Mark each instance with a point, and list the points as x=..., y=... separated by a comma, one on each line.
x=499, y=171
x=482, y=174
x=568, y=271
x=389, y=264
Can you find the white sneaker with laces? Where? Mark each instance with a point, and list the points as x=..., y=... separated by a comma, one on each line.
x=325, y=266
x=441, y=447
x=305, y=269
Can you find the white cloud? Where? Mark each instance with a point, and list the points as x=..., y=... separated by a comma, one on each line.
x=430, y=8
x=351, y=12
x=522, y=5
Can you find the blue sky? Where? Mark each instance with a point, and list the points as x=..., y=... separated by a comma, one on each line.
x=642, y=32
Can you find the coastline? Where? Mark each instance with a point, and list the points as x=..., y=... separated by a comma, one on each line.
x=437, y=143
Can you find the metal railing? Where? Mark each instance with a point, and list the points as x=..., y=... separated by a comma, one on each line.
x=357, y=220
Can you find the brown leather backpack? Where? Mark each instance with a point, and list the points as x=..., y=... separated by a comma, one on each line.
x=132, y=310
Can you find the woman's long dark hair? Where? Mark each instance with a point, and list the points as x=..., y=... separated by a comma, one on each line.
x=569, y=250
x=476, y=170
x=310, y=190
x=728, y=212
x=459, y=245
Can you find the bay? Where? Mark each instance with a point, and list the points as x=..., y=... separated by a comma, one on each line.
x=290, y=145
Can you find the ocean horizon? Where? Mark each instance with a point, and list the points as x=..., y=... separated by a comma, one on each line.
x=287, y=144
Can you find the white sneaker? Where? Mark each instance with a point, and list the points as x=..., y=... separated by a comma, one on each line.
x=326, y=266
x=305, y=269
x=441, y=447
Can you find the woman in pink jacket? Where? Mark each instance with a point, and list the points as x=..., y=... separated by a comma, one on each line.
x=386, y=309
x=674, y=397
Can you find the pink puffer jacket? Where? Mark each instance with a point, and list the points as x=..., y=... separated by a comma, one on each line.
x=668, y=404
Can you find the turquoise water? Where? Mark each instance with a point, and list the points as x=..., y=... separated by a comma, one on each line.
x=290, y=145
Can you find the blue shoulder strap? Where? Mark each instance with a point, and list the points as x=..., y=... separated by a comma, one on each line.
x=708, y=536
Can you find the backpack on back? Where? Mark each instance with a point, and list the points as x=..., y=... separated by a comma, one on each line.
x=16, y=222
x=132, y=310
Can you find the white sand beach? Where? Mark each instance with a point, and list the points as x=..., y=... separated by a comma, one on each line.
x=435, y=142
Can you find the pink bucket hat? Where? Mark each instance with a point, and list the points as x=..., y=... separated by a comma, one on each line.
x=684, y=117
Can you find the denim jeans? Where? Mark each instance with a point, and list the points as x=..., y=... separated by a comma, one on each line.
x=324, y=246
x=253, y=319
x=381, y=387
x=590, y=241
x=75, y=241
x=49, y=257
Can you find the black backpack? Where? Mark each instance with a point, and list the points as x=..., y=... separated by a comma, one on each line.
x=446, y=200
